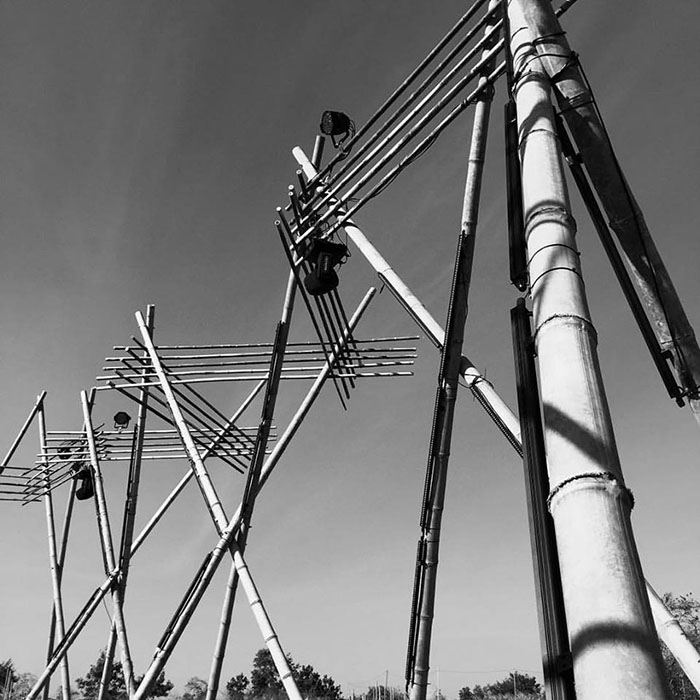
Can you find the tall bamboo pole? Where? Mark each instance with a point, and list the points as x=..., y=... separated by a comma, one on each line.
x=445, y=401
x=53, y=555
x=649, y=274
x=127, y=537
x=107, y=546
x=614, y=646
x=251, y=488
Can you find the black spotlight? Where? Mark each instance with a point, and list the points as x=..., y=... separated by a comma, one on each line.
x=323, y=256
x=121, y=420
x=335, y=124
x=83, y=476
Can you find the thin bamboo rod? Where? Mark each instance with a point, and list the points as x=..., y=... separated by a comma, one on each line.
x=53, y=558
x=107, y=546
x=23, y=430
x=446, y=396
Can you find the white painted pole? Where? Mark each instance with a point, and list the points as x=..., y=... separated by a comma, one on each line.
x=614, y=646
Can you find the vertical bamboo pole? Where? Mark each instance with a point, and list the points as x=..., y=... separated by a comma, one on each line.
x=446, y=398
x=107, y=546
x=614, y=646
x=649, y=273
x=127, y=537
x=53, y=556
x=251, y=487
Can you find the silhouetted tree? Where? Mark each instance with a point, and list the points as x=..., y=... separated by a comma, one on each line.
x=515, y=685
x=195, y=689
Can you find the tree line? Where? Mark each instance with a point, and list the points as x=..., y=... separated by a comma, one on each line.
x=263, y=682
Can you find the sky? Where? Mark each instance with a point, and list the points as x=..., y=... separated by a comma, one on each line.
x=143, y=150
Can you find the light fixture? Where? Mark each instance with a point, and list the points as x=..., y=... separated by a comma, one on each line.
x=323, y=256
x=336, y=124
x=83, y=477
x=121, y=420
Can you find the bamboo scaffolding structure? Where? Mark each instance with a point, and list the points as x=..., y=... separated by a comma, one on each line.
x=53, y=557
x=108, y=548
x=649, y=274
x=23, y=431
x=99, y=593
x=425, y=585
x=212, y=562
x=614, y=645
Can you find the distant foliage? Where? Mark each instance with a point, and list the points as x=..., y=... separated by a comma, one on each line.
x=687, y=611
x=195, y=689
x=8, y=677
x=265, y=683
x=515, y=685
x=89, y=685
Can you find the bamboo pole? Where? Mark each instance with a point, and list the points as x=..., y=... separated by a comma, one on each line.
x=108, y=547
x=53, y=556
x=675, y=639
x=215, y=508
x=251, y=487
x=445, y=401
x=649, y=274
x=187, y=609
x=129, y=518
x=614, y=646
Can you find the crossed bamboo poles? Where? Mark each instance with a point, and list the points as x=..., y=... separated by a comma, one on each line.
x=154, y=385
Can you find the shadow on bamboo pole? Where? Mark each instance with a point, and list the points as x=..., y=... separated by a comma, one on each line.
x=649, y=274
x=614, y=646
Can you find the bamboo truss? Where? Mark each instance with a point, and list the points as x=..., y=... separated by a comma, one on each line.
x=578, y=504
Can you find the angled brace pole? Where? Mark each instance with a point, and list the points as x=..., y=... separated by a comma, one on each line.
x=107, y=545
x=252, y=482
x=53, y=554
x=217, y=514
x=425, y=583
x=649, y=274
x=233, y=527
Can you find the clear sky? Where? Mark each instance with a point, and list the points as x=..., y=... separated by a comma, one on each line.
x=143, y=149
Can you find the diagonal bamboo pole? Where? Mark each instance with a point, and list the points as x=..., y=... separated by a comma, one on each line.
x=53, y=556
x=614, y=646
x=649, y=274
x=252, y=483
x=107, y=546
x=186, y=611
x=446, y=398
x=219, y=518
